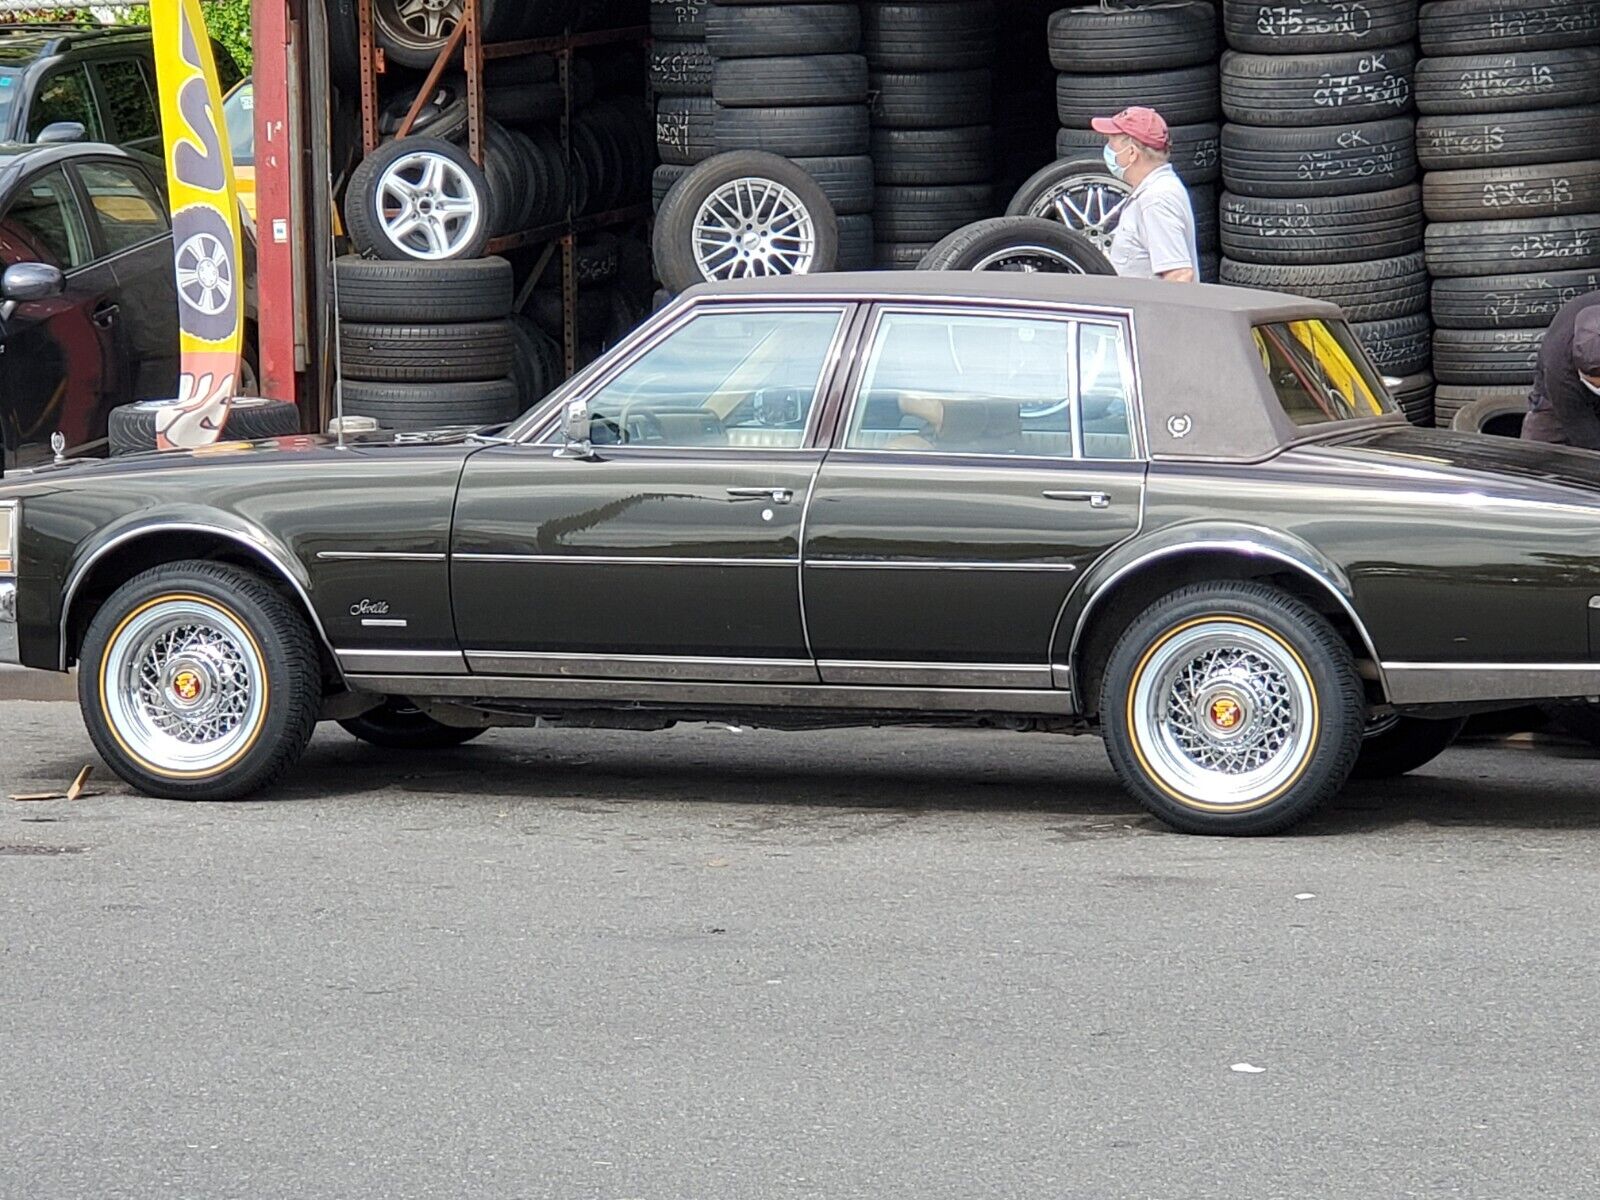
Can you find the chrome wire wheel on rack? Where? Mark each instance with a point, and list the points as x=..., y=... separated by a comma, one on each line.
x=429, y=206
x=752, y=227
x=1224, y=714
x=1089, y=202
x=184, y=687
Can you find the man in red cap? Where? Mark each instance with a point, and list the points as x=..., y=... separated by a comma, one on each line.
x=1155, y=236
x=1564, y=406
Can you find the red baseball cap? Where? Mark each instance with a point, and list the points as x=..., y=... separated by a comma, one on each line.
x=1141, y=124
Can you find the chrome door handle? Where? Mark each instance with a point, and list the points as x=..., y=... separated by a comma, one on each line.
x=777, y=495
x=1092, y=499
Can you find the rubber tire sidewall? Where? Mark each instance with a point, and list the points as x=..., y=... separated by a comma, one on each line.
x=1329, y=668
x=288, y=661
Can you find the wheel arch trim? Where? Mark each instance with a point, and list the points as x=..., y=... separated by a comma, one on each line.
x=1241, y=542
x=249, y=537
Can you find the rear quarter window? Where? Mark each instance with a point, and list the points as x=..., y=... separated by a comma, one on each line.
x=1320, y=373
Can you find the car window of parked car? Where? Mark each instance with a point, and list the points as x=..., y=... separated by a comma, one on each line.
x=127, y=208
x=967, y=383
x=745, y=378
x=1319, y=372
x=65, y=96
x=239, y=112
x=44, y=224
x=130, y=103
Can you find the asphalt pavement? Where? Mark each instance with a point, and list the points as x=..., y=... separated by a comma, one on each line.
x=705, y=964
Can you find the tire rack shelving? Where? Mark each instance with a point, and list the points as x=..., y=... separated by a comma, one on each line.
x=561, y=234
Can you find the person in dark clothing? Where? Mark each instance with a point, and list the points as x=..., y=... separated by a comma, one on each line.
x=1564, y=407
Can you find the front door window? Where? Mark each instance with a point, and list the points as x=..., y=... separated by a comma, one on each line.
x=723, y=380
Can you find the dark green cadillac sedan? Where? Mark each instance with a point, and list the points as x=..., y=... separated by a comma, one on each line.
x=1186, y=518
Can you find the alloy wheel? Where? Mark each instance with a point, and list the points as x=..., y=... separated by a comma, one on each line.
x=1090, y=203
x=752, y=227
x=428, y=206
x=419, y=23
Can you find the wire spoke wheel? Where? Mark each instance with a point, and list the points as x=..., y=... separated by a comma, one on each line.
x=753, y=228
x=184, y=686
x=1090, y=203
x=428, y=206
x=1224, y=714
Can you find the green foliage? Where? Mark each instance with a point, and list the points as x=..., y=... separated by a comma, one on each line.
x=228, y=21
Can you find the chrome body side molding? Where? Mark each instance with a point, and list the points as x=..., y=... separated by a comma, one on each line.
x=411, y=662
x=938, y=675
x=630, y=666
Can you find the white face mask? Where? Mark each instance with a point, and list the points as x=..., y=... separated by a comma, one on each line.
x=1593, y=387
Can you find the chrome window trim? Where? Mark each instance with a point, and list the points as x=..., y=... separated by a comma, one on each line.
x=682, y=668
x=1236, y=546
x=624, y=560
x=627, y=355
x=254, y=539
x=633, y=692
x=1071, y=315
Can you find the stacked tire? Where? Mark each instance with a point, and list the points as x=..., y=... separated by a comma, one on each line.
x=1158, y=55
x=1319, y=168
x=680, y=78
x=789, y=79
x=931, y=64
x=1509, y=138
x=453, y=369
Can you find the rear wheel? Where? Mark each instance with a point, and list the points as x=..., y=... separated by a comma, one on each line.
x=401, y=725
x=199, y=681
x=1232, y=708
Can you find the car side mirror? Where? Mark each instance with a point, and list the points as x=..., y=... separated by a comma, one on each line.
x=29, y=281
x=61, y=133
x=576, y=430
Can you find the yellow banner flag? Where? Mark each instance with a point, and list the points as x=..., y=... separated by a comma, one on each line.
x=205, y=227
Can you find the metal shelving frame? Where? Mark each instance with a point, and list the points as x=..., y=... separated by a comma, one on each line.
x=467, y=37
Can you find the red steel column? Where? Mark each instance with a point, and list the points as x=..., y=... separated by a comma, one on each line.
x=275, y=235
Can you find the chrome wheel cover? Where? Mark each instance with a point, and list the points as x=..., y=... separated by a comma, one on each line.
x=753, y=227
x=428, y=206
x=1224, y=715
x=1090, y=203
x=183, y=687
x=419, y=23
x=1031, y=259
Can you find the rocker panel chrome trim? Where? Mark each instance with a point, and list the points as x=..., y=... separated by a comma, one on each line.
x=420, y=662
x=1446, y=683
x=630, y=692
x=859, y=672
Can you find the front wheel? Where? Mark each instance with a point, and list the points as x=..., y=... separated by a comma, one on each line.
x=199, y=681
x=401, y=725
x=1232, y=708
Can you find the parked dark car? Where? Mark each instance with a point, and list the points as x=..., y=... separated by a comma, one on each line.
x=88, y=298
x=1186, y=518
x=101, y=77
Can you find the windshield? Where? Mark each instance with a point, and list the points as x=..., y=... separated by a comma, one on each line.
x=239, y=111
x=1320, y=373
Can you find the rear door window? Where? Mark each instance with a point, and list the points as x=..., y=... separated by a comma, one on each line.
x=130, y=103
x=126, y=206
x=65, y=96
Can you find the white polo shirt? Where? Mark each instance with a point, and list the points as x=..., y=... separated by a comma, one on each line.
x=1156, y=230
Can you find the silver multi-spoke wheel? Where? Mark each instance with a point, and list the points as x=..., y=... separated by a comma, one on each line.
x=205, y=275
x=1089, y=202
x=419, y=22
x=184, y=687
x=753, y=227
x=428, y=205
x=1224, y=714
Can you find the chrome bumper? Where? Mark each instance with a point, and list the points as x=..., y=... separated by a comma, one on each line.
x=8, y=623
